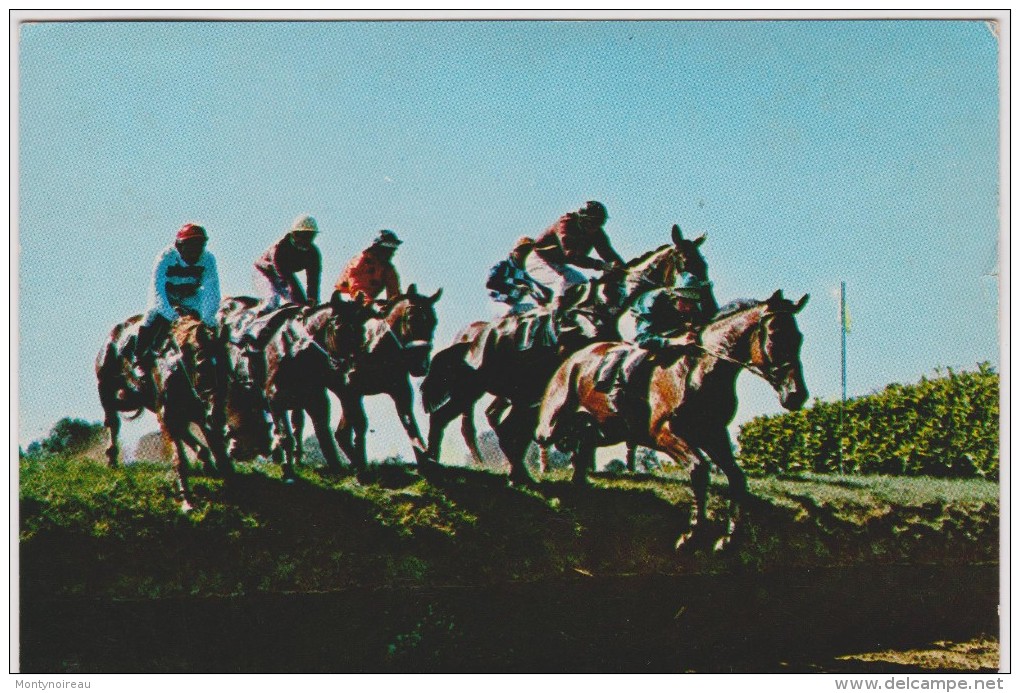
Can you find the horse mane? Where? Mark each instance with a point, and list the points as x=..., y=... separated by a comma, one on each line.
x=641, y=258
x=185, y=331
x=734, y=307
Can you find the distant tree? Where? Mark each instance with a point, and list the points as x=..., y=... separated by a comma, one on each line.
x=313, y=456
x=616, y=466
x=648, y=459
x=68, y=437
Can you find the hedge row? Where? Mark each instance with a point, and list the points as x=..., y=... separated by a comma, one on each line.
x=947, y=426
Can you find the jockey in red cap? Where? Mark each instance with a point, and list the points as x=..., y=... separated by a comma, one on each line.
x=184, y=278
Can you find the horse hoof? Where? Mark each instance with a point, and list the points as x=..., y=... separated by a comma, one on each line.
x=523, y=481
x=289, y=481
x=186, y=507
x=722, y=544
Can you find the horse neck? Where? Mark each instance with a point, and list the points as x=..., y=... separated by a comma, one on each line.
x=728, y=339
x=383, y=332
x=318, y=320
x=658, y=269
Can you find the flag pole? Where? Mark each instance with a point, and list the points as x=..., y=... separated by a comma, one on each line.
x=842, y=335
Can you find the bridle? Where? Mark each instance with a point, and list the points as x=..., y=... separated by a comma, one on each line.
x=400, y=327
x=762, y=335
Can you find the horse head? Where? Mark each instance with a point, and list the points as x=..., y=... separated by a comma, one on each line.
x=661, y=267
x=775, y=349
x=345, y=324
x=411, y=320
x=202, y=355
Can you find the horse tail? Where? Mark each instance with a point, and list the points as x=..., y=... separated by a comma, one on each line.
x=437, y=387
x=560, y=397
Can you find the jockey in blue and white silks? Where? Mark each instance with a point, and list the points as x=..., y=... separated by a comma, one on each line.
x=184, y=278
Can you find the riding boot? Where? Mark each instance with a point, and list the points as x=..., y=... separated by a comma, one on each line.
x=148, y=336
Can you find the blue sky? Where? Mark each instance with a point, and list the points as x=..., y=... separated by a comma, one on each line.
x=810, y=152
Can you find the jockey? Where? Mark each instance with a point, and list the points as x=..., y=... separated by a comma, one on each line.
x=276, y=271
x=665, y=322
x=569, y=242
x=670, y=318
x=510, y=283
x=184, y=278
x=372, y=270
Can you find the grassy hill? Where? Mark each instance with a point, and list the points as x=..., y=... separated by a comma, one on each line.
x=87, y=530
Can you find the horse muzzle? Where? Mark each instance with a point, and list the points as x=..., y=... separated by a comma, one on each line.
x=418, y=357
x=793, y=393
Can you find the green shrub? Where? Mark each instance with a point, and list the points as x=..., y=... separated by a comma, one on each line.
x=947, y=426
x=67, y=437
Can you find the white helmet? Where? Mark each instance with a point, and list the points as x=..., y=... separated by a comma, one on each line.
x=304, y=223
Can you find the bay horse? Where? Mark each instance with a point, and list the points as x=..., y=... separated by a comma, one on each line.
x=300, y=352
x=517, y=377
x=680, y=406
x=397, y=345
x=183, y=386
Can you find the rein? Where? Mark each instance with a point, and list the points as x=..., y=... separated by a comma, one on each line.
x=746, y=364
x=401, y=344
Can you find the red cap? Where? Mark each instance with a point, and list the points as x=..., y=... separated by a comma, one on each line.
x=191, y=230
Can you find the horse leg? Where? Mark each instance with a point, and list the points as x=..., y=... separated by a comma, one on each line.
x=684, y=454
x=631, y=458
x=439, y=419
x=584, y=461
x=494, y=412
x=201, y=451
x=112, y=422
x=284, y=441
x=515, y=434
x=469, y=432
x=214, y=428
x=403, y=399
x=543, y=458
x=182, y=470
x=297, y=424
x=318, y=411
x=719, y=448
x=699, y=513
x=350, y=433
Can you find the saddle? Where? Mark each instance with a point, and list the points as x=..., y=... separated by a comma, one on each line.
x=618, y=366
x=516, y=332
x=256, y=332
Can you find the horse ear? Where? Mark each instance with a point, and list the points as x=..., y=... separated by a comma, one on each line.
x=700, y=239
x=435, y=296
x=412, y=290
x=336, y=300
x=677, y=236
x=778, y=296
x=801, y=303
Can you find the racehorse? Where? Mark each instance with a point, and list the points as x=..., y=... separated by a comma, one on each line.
x=680, y=406
x=183, y=386
x=294, y=359
x=485, y=359
x=398, y=344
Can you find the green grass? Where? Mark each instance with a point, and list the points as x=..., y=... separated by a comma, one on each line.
x=86, y=529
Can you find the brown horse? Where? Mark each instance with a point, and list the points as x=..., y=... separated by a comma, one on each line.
x=485, y=358
x=680, y=406
x=398, y=344
x=184, y=386
x=300, y=354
